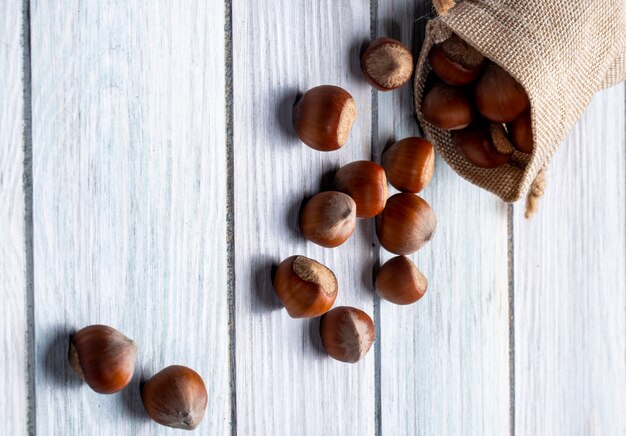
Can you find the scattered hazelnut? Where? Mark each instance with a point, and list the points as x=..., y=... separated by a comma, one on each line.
x=175, y=397
x=409, y=164
x=400, y=282
x=498, y=96
x=365, y=182
x=406, y=224
x=323, y=117
x=447, y=107
x=328, y=219
x=521, y=132
x=455, y=61
x=103, y=357
x=387, y=64
x=476, y=143
x=347, y=333
x=305, y=287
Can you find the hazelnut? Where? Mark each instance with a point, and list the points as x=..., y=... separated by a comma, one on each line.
x=400, y=282
x=387, y=64
x=521, y=133
x=347, y=333
x=476, y=143
x=175, y=397
x=323, y=117
x=305, y=287
x=447, y=107
x=406, y=224
x=103, y=357
x=455, y=61
x=365, y=182
x=498, y=96
x=328, y=219
x=409, y=164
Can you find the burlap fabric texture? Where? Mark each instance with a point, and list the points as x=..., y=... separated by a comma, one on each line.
x=562, y=52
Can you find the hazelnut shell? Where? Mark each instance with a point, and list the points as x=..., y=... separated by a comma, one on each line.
x=455, y=61
x=103, y=357
x=400, y=282
x=175, y=397
x=498, y=96
x=328, y=218
x=447, y=107
x=305, y=287
x=387, y=64
x=323, y=117
x=406, y=224
x=347, y=333
x=409, y=164
x=476, y=144
x=365, y=182
x=521, y=133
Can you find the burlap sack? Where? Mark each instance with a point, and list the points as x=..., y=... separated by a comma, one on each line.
x=562, y=52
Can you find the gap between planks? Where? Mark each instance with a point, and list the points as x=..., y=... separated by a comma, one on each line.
x=378, y=425
x=230, y=210
x=27, y=182
x=511, y=265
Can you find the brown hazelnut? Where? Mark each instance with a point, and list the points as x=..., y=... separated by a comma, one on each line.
x=328, y=218
x=455, y=61
x=406, y=224
x=175, y=397
x=305, y=287
x=521, y=133
x=103, y=357
x=400, y=282
x=498, y=96
x=365, y=182
x=476, y=144
x=323, y=117
x=447, y=107
x=347, y=333
x=409, y=164
x=387, y=64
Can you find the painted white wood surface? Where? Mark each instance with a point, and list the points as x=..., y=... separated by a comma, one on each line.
x=570, y=285
x=129, y=201
x=285, y=384
x=129, y=104
x=445, y=359
x=13, y=319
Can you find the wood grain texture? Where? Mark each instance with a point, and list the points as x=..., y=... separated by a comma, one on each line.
x=285, y=383
x=445, y=359
x=570, y=288
x=13, y=315
x=129, y=201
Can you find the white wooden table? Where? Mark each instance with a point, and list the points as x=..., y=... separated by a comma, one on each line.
x=149, y=180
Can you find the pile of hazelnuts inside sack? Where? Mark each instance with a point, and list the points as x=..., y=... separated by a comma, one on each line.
x=485, y=107
x=405, y=222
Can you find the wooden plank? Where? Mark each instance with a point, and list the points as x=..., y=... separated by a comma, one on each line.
x=129, y=200
x=13, y=289
x=285, y=384
x=570, y=292
x=445, y=359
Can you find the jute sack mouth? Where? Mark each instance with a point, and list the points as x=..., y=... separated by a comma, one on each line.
x=562, y=53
